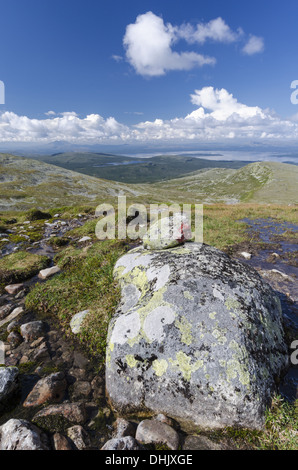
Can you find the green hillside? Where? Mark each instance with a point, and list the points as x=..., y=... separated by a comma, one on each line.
x=26, y=183
x=133, y=169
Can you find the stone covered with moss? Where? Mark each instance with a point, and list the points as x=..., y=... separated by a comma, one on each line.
x=197, y=336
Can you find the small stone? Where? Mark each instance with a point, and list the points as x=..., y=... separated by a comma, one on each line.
x=46, y=273
x=283, y=275
x=124, y=443
x=73, y=412
x=21, y=294
x=37, y=342
x=14, y=339
x=12, y=325
x=165, y=419
x=5, y=310
x=42, y=354
x=246, y=255
x=156, y=432
x=14, y=314
x=85, y=239
x=24, y=360
x=48, y=389
x=79, y=437
x=81, y=390
x=167, y=233
x=32, y=330
x=77, y=321
x=124, y=428
x=18, y=434
x=8, y=382
x=13, y=289
x=61, y=442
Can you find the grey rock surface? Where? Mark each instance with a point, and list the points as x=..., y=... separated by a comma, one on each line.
x=8, y=382
x=197, y=337
x=18, y=434
x=49, y=389
x=123, y=443
x=32, y=330
x=200, y=443
x=155, y=432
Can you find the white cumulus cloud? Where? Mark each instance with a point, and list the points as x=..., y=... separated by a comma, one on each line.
x=148, y=43
x=215, y=30
x=218, y=117
x=255, y=45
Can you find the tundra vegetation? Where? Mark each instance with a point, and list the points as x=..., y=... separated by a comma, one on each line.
x=86, y=279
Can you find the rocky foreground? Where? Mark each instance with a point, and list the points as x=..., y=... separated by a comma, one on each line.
x=197, y=343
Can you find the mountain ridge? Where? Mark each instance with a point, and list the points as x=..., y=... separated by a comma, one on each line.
x=25, y=183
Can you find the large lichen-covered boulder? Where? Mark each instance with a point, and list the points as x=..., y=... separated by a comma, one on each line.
x=197, y=336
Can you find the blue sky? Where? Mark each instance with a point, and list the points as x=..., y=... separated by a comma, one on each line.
x=68, y=56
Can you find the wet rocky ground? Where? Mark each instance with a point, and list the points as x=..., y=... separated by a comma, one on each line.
x=275, y=257
x=56, y=399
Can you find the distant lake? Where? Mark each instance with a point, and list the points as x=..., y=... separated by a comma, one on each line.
x=230, y=155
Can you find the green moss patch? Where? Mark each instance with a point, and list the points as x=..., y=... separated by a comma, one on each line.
x=20, y=266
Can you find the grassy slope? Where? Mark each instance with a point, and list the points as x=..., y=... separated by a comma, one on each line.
x=264, y=182
x=25, y=183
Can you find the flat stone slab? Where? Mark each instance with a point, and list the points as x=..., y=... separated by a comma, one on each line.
x=85, y=239
x=14, y=289
x=46, y=273
x=14, y=314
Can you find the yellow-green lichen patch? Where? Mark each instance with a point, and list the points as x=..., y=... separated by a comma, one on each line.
x=138, y=278
x=183, y=363
x=234, y=369
x=232, y=304
x=160, y=367
x=238, y=365
x=220, y=335
x=185, y=329
x=180, y=250
x=110, y=349
x=212, y=315
x=131, y=361
x=188, y=295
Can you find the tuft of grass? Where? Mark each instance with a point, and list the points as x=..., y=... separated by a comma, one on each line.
x=20, y=266
x=280, y=433
x=36, y=214
x=281, y=426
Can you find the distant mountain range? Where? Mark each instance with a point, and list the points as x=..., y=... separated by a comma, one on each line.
x=25, y=183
